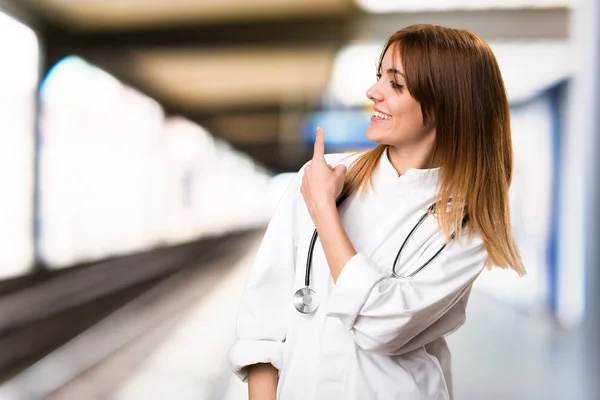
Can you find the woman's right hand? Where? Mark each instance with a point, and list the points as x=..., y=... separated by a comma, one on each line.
x=262, y=382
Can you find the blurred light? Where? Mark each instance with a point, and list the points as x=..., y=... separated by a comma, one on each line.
x=530, y=68
x=99, y=163
x=389, y=6
x=109, y=159
x=18, y=82
x=19, y=47
x=579, y=171
x=64, y=83
x=277, y=187
x=353, y=72
x=188, y=153
x=527, y=69
x=209, y=188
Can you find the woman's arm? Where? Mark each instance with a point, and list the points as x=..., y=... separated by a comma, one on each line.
x=267, y=298
x=262, y=382
x=385, y=313
x=321, y=185
x=335, y=241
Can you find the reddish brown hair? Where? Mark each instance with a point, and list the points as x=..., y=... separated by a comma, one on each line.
x=454, y=76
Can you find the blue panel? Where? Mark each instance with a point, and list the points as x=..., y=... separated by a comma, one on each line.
x=342, y=128
x=556, y=95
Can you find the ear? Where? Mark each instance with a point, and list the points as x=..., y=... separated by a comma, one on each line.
x=429, y=119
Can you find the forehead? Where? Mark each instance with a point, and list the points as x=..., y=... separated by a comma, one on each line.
x=392, y=59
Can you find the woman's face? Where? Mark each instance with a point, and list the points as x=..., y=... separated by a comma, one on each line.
x=397, y=119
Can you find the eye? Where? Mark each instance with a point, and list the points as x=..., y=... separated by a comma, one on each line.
x=378, y=75
x=396, y=85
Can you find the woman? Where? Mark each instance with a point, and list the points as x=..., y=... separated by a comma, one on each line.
x=441, y=121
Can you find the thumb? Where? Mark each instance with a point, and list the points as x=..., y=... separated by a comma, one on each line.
x=340, y=170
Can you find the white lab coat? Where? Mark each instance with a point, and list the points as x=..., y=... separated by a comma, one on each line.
x=374, y=336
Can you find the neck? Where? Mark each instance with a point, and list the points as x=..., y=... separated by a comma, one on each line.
x=404, y=158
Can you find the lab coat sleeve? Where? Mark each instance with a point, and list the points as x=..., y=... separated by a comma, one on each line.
x=261, y=324
x=388, y=314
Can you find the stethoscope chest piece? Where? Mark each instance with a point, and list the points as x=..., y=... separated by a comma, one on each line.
x=306, y=300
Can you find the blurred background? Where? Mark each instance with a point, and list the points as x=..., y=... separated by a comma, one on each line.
x=144, y=145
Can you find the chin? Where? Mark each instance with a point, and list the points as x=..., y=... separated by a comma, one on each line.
x=373, y=136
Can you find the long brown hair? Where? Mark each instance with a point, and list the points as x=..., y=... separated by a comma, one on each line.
x=454, y=76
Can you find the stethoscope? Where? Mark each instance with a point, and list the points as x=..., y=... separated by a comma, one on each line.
x=306, y=300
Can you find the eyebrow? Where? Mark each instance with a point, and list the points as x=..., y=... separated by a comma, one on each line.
x=395, y=71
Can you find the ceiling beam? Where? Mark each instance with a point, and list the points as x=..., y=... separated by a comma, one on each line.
x=337, y=30
x=277, y=33
x=119, y=15
x=112, y=50
x=23, y=12
x=323, y=30
x=509, y=24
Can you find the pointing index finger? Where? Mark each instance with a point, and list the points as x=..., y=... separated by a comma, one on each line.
x=319, y=149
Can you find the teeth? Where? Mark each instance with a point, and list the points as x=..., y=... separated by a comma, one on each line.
x=381, y=115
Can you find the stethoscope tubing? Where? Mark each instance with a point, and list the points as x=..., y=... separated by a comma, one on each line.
x=429, y=211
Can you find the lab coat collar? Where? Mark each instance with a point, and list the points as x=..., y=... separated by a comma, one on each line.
x=387, y=174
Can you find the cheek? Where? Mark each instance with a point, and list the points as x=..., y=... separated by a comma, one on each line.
x=412, y=119
x=408, y=113
x=401, y=105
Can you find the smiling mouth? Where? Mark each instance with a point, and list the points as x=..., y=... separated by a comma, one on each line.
x=380, y=115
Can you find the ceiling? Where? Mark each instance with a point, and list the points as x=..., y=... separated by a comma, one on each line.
x=119, y=14
x=249, y=70
x=217, y=78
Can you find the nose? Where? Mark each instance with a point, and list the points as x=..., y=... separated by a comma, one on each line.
x=374, y=94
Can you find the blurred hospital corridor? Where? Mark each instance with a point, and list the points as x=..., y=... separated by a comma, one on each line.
x=144, y=147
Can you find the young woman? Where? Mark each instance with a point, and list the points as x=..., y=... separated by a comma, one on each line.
x=353, y=300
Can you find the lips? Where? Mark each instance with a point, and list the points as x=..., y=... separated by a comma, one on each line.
x=381, y=115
